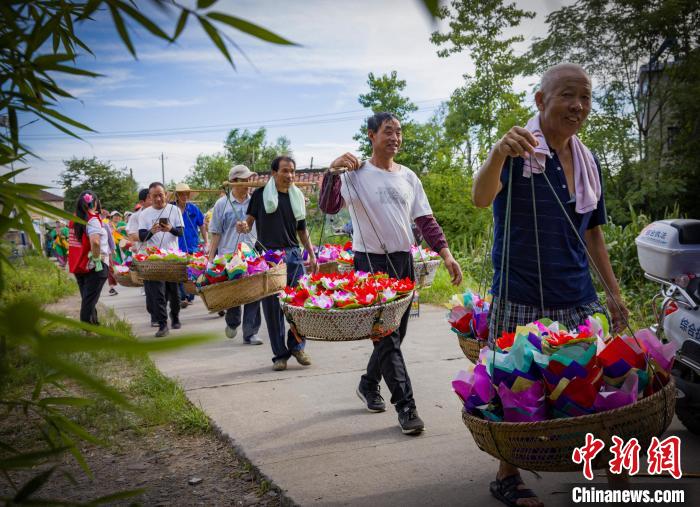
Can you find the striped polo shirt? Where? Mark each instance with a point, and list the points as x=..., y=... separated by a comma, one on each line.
x=566, y=280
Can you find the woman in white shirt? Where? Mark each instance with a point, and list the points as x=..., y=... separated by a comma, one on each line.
x=91, y=257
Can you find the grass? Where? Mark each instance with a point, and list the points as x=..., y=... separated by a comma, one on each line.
x=158, y=399
x=440, y=292
x=35, y=277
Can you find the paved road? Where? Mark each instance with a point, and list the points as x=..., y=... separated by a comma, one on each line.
x=307, y=431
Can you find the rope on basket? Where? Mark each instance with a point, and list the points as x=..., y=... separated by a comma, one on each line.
x=378, y=318
x=608, y=292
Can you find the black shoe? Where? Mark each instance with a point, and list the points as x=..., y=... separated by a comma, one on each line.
x=409, y=421
x=176, y=324
x=371, y=398
x=113, y=292
x=222, y=313
x=162, y=331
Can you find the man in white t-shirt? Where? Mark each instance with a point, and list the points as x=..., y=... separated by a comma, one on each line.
x=160, y=226
x=385, y=199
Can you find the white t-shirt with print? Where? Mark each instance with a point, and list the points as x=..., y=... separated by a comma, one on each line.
x=388, y=204
x=162, y=240
x=94, y=226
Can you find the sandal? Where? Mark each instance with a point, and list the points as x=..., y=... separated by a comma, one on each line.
x=506, y=490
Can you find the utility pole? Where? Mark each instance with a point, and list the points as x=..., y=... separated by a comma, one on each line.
x=311, y=165
x=162, y=166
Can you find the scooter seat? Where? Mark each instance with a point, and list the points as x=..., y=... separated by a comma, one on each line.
x=688, y=231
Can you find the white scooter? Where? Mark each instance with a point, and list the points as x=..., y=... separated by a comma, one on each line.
x=669, y=253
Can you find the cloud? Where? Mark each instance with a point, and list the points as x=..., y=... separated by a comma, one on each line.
x=152, y=103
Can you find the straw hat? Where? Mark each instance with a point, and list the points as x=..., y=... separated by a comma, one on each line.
x=182, y=187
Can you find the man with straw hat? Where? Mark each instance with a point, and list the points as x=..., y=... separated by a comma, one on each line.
x=384, y=199
x=229, y=210
x=189, y=242
x=160, y=226
x=554, y=173
x=279, y=212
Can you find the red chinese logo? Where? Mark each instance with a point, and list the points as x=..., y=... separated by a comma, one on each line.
x=625, y=456
x=587, y=453
x=665, y=456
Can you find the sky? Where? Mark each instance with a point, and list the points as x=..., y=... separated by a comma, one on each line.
x=182, y=99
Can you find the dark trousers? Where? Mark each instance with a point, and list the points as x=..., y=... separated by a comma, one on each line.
x=251, y=318
x=184, y=296
x=386, y=359
x=90, y=285
x=274, y=317
x=158, y=294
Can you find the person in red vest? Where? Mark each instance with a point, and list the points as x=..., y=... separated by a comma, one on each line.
x=88, y=254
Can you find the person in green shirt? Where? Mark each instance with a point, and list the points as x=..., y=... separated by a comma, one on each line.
x=59, y=243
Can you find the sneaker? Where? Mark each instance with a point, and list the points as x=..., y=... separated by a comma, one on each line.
x=184, y=304
x=162, y=331
x=279, y=365
x=231, y=332
x=253, y=340
x=410, y=422
x=371, y=398
x=154, y=323
x=113, y=292
x=302, y=357
x=176, y=324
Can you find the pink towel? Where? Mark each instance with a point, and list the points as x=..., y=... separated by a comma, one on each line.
x=586, y=178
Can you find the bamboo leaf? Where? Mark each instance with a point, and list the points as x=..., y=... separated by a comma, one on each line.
x=33, y=485
x=205, y=4
x=433, y=7
x=250, y=28
x=14, y=128
x=66, y=119
x=66, y=69
x=181, y=22
x=143, y=20
x=215, y=38
x=29, y=459
x=121, y=29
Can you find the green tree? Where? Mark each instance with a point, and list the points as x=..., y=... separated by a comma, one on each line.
x=486, y=105
x=252, y=149
x=209, y=172
x=643, y=52
x=384, y=95
x=116, y=188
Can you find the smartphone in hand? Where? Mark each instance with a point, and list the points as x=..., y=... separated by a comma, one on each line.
x=163, y=221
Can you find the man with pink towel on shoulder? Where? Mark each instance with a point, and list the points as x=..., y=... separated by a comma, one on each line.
x=555, y=174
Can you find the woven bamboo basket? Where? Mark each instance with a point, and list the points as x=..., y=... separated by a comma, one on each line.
x=547, y=446
x=328, y=267
x=224, y=295
x=135, y=277
x=126, y=279
x=190, y=287
x=162, y=271
x=346, y=325
x=470, y=346
x=425, y=272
